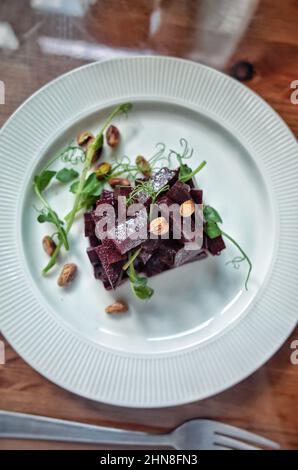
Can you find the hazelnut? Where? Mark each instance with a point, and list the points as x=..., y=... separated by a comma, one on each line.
x=187, y=208
x=159, y=226
x=96, y=152
x=117, y=307
x=143, y=166
x=103, y=170
x=118, y=182
x=113, y=136
x=67, y=274
x=49, y=245
x=84, y=137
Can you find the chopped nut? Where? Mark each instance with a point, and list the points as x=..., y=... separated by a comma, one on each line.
x=113, y=136
x=103, y=170
x=67, y=274
x=187, y=208
x=117, y=307
x=49, y=245
x=118, y=182
x=159, y=226
x=84, y=137
x=96, y=153
x=143, y=165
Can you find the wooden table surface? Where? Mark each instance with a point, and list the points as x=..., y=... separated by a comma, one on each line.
x=266, y=402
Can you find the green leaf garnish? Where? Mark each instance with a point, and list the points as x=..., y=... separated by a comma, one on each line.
x=186, y=173
x=82, y=193
x=139, y=284
x=42, y=180
x=211, y=215
x=47, y=213
x=212, y=230
x=66, y=175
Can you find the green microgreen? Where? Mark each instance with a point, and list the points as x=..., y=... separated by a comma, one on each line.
x=139, y=284
x=80, y=195
x=212, y=230
x=66, y=175
x=47, y=214
x=146, y=188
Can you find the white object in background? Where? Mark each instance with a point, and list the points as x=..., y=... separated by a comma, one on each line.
x=8, y=39
x=221, y=25
x=63, y=7
x=84, y=50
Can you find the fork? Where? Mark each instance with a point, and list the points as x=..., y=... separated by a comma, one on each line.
x=197, y=434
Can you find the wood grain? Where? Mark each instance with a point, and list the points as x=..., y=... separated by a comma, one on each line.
x=266, y=402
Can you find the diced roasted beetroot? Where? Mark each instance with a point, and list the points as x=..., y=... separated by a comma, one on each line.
x=94, y=241
x=164, y=199
x=108, y=250
x=191, y=183
x=107, y=195
x=164, y=177
x=156, y=255
x=122, y=191
x=97, y=269
x=113, y=272
x=197, y=195
x=89, y=224
x=93, y=256
x=215, y=245
x=155, y=266
x=179, y=192
x=186, y=229
x=174, y=254
x=128, y=235
x=148, y=248
x=144, y=199
x=183, y=256
x=167, y=251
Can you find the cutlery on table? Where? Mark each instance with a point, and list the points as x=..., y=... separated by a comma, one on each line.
x=196, y=434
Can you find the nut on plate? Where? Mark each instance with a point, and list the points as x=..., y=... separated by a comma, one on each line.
x=96, y=152
x=84, y=137
x=113, y=136
x=67, y=274
x=49, y=245
x=117, y=307
x=187, y=208
x=103, y=170
x=159, y=226
x=113, y=182
x=143, y=166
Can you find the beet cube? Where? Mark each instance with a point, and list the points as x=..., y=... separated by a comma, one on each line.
x=113, y=272
x=215, y=245
x=184, y=256
x=97, y=270
x=179, y=192
x=122, y=191
x=148, y=248
x=197, y=195
x=107, y=195
x=164, y=177
x=93, y=256
x=155, y=266
x=144, y=199
x=94, y=241
x=108, y=250
x=89, y=224
x=129, y=234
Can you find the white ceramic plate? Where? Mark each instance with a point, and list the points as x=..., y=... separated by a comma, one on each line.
x=201, y=332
